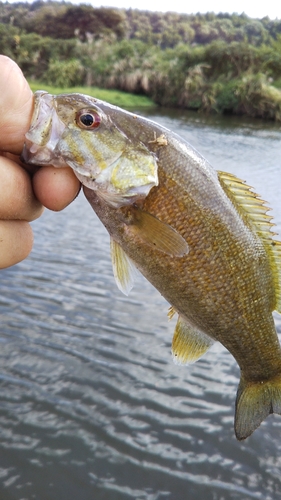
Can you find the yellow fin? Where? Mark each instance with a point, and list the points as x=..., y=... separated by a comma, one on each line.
x=171, y=312
x=189, y=344
x=124, y=269
x=157, y=234
x=253, y=210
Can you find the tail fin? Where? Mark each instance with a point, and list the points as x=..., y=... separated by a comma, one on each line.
x=254, y=402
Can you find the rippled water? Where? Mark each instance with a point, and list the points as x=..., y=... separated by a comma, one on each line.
x=91, y=404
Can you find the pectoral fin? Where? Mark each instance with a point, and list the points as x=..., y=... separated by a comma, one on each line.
x=157, y=234
x=124, y=269
x=189, y=344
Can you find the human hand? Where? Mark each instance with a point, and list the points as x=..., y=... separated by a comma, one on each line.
x=22, y=196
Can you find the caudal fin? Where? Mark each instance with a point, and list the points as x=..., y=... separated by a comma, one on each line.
x=254, y=402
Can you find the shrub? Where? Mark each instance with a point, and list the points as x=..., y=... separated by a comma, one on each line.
x=64, y=73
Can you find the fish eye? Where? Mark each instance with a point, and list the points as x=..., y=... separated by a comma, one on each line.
x=87, y=119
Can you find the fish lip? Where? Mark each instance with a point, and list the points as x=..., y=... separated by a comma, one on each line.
x=43, y=106
x=44, y=134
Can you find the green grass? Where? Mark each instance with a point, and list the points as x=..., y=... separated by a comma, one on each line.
x=116, y=97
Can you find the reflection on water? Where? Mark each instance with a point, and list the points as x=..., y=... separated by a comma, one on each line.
x=92, y=406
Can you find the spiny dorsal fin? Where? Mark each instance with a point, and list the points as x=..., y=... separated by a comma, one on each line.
x=124, y=269
x=157, y=234
x=189, y=344
x=253, y=210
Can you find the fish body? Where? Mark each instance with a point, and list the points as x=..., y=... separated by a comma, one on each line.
x=202, y=238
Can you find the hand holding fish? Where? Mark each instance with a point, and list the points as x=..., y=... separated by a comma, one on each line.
x=23, y=197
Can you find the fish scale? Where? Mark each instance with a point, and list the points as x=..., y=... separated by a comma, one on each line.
x=202, y=238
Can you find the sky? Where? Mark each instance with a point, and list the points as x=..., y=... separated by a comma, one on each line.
x=253, y=8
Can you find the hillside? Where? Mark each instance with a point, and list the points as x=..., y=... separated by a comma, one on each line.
x=223, y=63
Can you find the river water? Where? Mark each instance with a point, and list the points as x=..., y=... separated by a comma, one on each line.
x=91, y=405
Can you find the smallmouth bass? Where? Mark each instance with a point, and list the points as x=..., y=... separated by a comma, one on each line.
x=202, y=238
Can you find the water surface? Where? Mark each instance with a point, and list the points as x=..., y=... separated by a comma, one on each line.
x=91, y=404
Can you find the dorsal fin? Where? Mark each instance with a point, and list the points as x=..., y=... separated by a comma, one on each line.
x=124, y=269
x=253, y=210
x=188, y=343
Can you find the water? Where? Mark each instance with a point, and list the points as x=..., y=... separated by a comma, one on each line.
x=92, y=406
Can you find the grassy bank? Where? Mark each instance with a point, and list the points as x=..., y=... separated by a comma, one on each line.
x=116, y=97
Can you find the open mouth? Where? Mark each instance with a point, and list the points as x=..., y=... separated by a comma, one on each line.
x=44, y=133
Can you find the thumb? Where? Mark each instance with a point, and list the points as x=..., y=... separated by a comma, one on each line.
x=16, y=104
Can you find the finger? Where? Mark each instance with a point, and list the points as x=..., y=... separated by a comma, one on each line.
x=16, y=104
x=17, y=200
x=31, y=169
x=16, y=239
x=55, y=188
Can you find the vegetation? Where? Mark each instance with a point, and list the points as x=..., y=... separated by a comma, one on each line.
x=116, y=97
x=223, y=63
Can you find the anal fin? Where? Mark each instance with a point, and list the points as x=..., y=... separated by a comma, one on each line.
x=188, y=343
x=124, y=269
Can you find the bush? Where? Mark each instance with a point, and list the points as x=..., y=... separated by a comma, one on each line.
x=226, y=97
x=258, y=98
x=64, y=73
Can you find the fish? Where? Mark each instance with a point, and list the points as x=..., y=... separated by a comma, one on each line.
x=202, y=237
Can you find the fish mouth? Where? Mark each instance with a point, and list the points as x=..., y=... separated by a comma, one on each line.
x=44, y=134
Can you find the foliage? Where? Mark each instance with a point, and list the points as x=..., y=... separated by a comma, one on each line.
x=64, y=73
x=257, y=98
x=223, y=63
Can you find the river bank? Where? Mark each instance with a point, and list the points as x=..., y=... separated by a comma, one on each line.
x=116, y=97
